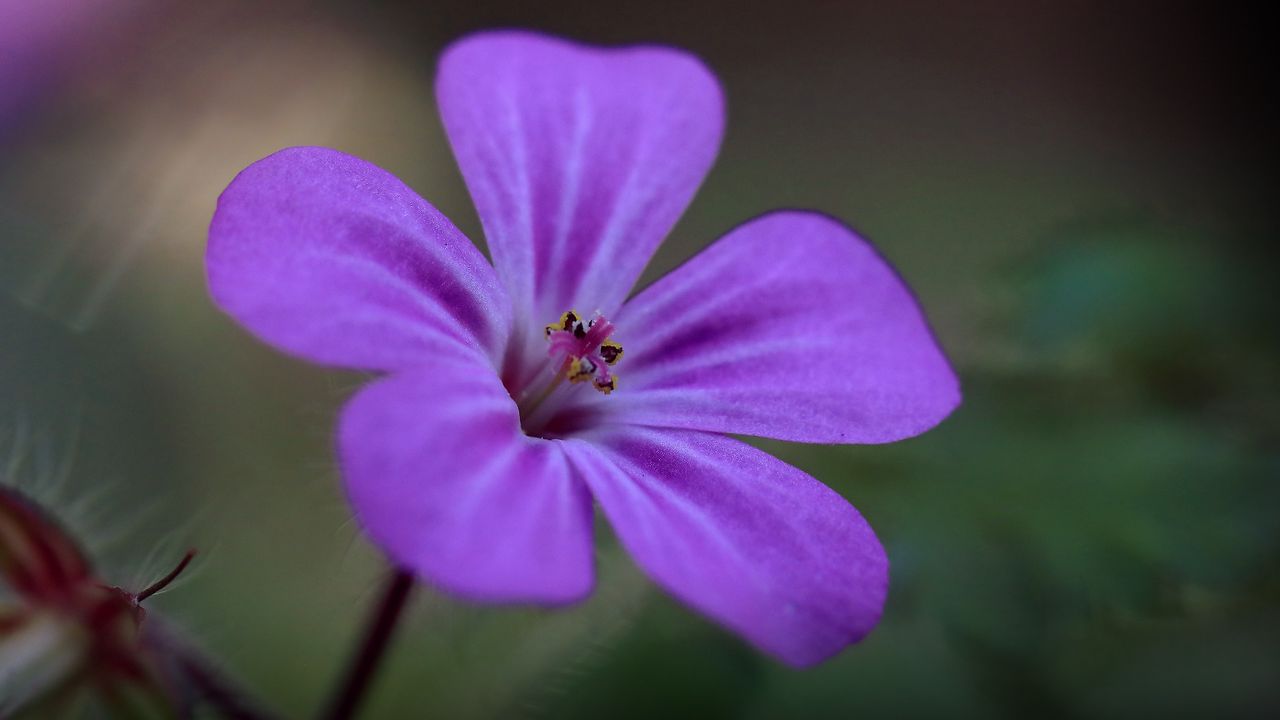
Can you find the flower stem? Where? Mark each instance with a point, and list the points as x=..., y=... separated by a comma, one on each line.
x=377, y=634
x=218, y=692
x=211, y=685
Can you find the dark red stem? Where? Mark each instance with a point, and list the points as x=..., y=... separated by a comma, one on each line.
x=210, y=684
x=377, y=634
x=216, y=690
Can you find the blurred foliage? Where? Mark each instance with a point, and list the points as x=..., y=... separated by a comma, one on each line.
x=1078, y=203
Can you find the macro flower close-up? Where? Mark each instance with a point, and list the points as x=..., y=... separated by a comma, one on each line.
x=518, y=394
x=578, y=360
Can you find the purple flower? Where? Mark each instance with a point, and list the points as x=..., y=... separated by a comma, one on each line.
x=474, y=463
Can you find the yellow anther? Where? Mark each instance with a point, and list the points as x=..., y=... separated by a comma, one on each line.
x=606, y=386
x=581, y=370
x=568, y=323
x=611, y=352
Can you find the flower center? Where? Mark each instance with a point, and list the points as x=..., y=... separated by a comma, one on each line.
x=584, y=351
x=581, y=352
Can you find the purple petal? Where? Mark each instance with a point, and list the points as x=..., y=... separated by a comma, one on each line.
x=333, y=259
x=444, y=481
x=579, y=159
x=790, y=327
x=759, y=546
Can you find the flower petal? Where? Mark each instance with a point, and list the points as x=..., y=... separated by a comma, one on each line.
x=754, y=543
x=579, y=159
x=442, y=478
x=333, y=259
x=790, y=327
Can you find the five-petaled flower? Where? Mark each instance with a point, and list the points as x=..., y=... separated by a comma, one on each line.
x=472, y=464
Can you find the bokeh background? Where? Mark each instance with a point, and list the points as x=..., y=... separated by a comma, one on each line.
x=1079, y=193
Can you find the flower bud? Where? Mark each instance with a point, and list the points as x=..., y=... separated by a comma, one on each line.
x=65, y=634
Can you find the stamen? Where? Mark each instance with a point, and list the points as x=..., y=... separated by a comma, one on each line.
x=584, y=350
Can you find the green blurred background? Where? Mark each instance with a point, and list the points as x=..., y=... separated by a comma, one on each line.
x=1080, y=194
